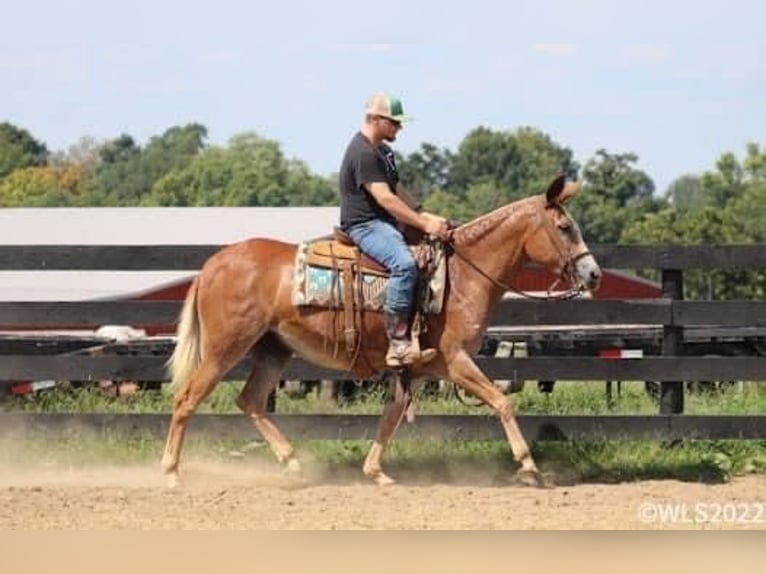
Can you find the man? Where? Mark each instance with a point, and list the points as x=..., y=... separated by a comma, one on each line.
x=372, y=201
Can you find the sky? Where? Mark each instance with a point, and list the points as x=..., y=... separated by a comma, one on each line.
x=676, y=82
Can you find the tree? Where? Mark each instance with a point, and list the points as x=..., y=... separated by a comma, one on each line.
x=725, y=184
x=734, y=212
x=117, y=177
x=47, y=186
x=84, y=153
x=616, y=194
x=705, y=226
x=749, y=213
x=18, y=149
x=483, y=156
x=127, y=173
x=250, y=171
x=492, y=168
x=685, y=193
x=755, y=162
x=425, y=171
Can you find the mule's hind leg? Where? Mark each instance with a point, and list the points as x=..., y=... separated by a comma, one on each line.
x=393, y=412
x=215, y=364
x=186, y=401
x=465, y=373
x=270, y=357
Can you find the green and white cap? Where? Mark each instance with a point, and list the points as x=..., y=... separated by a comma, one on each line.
x=386, y=105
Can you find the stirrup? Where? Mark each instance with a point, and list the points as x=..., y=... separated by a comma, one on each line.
x=402, y=354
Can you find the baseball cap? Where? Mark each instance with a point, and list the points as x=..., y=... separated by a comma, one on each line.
x=388, y=106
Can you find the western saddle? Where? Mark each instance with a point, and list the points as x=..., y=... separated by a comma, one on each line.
x=339, y=253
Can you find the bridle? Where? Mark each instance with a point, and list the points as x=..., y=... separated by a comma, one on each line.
x=569, y=268
x=568, y=272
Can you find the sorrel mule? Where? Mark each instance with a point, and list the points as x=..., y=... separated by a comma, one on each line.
x=241, y=302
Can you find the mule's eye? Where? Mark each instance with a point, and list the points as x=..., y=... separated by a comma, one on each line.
x=565, y=226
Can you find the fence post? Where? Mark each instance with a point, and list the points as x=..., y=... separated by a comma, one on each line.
x=672, y=392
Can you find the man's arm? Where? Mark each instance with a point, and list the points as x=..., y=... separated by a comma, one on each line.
x=397, y=207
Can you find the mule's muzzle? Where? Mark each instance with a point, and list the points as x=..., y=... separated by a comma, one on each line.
x=586, y=271
x=594, y=279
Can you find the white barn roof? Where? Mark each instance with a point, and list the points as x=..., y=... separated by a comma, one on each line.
x=139, y=226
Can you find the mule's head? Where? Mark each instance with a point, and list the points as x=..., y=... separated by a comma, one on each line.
x=557, y=242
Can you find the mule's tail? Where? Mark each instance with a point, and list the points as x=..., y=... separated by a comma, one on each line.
x=186, y=355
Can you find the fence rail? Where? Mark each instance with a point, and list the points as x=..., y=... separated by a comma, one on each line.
x=191, y=257
x=665, y=312
x=671, y=313
x=152, y=368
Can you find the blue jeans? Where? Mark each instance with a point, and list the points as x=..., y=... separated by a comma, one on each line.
x=385, y=243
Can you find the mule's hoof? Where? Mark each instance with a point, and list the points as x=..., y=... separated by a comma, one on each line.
x=380, y=478
x=293, y=466
x=173, y=480
x=530, y=478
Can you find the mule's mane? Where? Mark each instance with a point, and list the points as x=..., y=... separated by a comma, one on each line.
x=477, y=228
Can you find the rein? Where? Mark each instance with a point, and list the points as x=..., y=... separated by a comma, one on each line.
x=568, y=267
x=569, y=270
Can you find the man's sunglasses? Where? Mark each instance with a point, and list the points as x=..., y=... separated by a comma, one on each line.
x=396, y=123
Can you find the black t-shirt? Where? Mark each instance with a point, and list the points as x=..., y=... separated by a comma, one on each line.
x=363, y=163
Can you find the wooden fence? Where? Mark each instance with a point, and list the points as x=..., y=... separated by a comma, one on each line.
x=671, y=312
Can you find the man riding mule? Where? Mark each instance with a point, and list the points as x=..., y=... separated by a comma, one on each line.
x=241, y=304
x=372, y=201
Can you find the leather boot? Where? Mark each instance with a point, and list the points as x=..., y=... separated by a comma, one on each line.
x=401, y=350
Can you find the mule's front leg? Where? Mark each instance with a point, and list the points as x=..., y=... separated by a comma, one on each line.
x=393, y=412
x=464, y=372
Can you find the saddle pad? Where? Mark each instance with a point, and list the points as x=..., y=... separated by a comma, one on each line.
x=322, y=286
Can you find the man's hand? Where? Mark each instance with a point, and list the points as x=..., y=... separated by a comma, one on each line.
x=435, y=225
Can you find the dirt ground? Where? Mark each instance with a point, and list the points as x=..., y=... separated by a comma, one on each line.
x=224, y=496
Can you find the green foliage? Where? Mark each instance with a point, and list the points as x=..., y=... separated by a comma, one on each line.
x=521, y=162
x=488, y=170
x=251, y=171
x=126, y=173
x=685, y=194
x=615, y=194
x=730, y=208
x=117, y=179
x=726, y=184
x=40, y=187
x=748, y=213
x=710, y=461
x=18, y=149
x=425, y=171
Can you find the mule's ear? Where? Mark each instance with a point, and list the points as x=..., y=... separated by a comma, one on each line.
x=555, y=189
x=570, y=190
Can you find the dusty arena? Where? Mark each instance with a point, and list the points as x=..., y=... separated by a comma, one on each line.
x=222, y=496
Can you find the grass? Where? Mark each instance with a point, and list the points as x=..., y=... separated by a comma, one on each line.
x=601, y=461
x=567, y=398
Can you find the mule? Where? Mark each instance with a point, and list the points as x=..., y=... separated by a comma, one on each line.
x=240, y=303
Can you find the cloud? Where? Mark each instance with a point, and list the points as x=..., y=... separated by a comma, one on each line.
x=647, y=53
x=559, y=50
x=374, y=46
x=438, y=85
x=739, y=61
